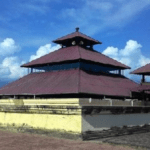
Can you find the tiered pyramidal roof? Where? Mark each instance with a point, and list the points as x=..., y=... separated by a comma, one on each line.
x=76, y=46
x=76, y=69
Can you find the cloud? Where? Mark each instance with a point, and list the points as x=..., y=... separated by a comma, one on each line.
x=21, y=8
x=103, y=14
x=31, y=8
x=111, y=51
x=10, y=68
x=132, y=47
x=43, y=50
x=99, y=5
x=130, y=55
x=127, y=10
x=8, y=46
x=10, y=64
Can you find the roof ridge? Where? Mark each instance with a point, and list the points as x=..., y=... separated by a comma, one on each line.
x=77, y=34
x=64, y=36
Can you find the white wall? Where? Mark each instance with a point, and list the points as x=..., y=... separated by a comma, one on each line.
x=99, y=122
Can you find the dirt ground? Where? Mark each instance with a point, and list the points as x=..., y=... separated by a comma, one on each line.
x=141, y=140
x=24, y=141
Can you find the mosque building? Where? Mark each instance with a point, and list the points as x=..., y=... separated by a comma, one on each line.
x=74, y=88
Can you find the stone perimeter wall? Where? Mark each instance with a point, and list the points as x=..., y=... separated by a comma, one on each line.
x=69, y=123
x=106, y=121
x=53, y=114
x=72, y=115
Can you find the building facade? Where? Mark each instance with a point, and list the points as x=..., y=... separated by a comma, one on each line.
x=75, y=89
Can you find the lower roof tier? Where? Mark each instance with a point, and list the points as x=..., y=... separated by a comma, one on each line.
x=74, y=81
x=142, y=88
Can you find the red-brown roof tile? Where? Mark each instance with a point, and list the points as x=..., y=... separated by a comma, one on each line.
x=76, y=34
x=69, y=82
x=106, y=85
x=75, y=53
x=142, y=70
x=141, y=88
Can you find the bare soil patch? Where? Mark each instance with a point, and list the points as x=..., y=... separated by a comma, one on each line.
x=17, y=141
x=138, y=140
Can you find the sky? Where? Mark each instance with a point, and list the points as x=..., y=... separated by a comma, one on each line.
x=28, y=27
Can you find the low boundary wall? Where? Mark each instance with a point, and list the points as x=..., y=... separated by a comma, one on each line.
x=101, y=122
x=72, y=114
x=52, y=114
x=69, y=123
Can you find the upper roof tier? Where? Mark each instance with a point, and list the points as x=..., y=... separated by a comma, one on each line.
x=75, y=46
x=145, y=70
x=75, y=53
x=76, y=38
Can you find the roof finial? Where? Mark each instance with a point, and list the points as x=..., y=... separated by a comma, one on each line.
x=77, y=29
